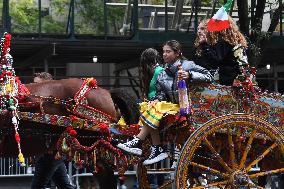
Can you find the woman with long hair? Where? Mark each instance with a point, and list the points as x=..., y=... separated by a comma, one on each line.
x=225, y=49
x=165, y=101
x=150, y=67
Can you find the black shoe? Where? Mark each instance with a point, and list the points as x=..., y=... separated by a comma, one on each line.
x=133, y=146
x=157, y=154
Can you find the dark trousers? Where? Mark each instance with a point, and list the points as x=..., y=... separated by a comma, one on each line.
x=47, y=169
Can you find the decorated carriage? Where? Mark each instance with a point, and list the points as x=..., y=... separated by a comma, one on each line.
x=228, y=131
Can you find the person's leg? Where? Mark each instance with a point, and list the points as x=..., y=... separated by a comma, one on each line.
x=144, y=132
x=158, y=153
x=155, y=136
x=60, y=177
x=44, y=169
x=134, y=146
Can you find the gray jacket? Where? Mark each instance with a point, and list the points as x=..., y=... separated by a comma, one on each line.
x=166, y=84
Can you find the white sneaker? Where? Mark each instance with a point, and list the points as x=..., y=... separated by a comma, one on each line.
x=133, y=146
x=157, y=154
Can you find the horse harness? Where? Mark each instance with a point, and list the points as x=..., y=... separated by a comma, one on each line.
x=78, y=106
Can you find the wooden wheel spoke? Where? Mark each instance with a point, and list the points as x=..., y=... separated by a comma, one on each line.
x=247, y=149
x=239, y=142
x=211, y=170
x=219, y=158
x=231, y=148
x=211, y=184
x=266, y=173
x=228, y=165
x=261, y=156
x=161, y=170
x=255, y=186
x=166, y=184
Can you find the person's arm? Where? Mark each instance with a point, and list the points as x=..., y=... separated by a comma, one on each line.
x=204, y=59
x=198, y=74
x=217, y=53
x=160, y=94
x=194, y=73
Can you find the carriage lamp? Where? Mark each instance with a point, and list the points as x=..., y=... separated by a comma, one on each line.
x=95, y=59
x=268, y=66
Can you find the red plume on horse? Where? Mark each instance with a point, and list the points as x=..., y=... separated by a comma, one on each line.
x=53, y=106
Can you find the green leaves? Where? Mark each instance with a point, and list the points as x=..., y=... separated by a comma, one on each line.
x=89, y=17
x=24, y=15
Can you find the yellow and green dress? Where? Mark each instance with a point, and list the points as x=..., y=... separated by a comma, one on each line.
x=153, y=111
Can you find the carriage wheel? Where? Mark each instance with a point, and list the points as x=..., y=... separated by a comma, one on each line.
x=224, y=151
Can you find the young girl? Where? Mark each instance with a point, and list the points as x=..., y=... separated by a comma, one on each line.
x=165, y=100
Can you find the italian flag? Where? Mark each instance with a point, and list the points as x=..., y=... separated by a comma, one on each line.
x=220, y=20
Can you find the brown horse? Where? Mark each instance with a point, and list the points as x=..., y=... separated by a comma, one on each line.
x=106, y=101
x=56, y=98
x=98, y=98
x=42, y=94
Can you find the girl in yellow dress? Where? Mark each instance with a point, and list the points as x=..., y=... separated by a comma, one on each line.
x=163, y=96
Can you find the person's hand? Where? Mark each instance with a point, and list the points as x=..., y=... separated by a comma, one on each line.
x=183, y=74
x=153, y=102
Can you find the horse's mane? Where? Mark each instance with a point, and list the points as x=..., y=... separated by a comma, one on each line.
x=127, y=105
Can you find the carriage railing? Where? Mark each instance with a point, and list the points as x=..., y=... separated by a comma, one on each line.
x=9, y=167
x=115, y=18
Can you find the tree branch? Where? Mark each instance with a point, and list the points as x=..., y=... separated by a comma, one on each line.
x=243, y=16
x=257, y=21
x=274, y=20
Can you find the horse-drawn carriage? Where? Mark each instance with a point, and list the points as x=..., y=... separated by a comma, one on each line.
x=227, y=133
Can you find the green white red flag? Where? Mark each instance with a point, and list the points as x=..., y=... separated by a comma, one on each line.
x=220, y=20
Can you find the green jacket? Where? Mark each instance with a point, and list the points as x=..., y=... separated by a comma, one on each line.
x=152, y=88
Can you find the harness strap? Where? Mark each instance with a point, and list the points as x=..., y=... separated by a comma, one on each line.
x=41, y=105
x=81, y=107
x=88, y=84
x=23, y=91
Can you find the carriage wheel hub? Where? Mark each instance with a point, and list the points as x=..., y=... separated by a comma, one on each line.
x=239, y=179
